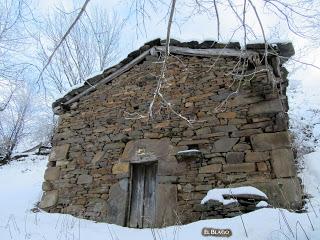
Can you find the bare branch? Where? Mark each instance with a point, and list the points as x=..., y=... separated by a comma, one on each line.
x=164, y=63
x=217, y=16
x=173, y=4
x=64, y=37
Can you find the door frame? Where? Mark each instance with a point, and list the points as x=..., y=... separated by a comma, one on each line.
x=130, y=186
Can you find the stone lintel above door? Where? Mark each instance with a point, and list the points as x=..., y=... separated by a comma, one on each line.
x=152, y=150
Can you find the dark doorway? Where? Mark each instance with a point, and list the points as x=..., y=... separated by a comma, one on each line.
x=143, y=197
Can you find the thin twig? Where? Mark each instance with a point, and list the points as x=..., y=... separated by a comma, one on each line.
x=64, y=38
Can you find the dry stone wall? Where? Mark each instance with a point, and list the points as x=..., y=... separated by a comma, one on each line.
x=242, y=140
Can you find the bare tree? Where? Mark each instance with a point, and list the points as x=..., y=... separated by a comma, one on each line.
x=14, y=18
x=12, y=124
x=90, y=46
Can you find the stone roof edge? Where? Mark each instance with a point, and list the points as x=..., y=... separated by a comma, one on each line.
x=193, y=48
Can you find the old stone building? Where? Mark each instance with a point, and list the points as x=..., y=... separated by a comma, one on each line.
x=112, y=163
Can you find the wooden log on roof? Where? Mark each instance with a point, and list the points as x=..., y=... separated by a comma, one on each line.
x=210, y=52
x=110, y=77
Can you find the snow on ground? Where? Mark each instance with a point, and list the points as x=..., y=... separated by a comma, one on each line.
x=20, y=188
x=218, y=194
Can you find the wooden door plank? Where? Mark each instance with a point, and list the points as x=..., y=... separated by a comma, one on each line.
x=149, y=195
x=136, y=212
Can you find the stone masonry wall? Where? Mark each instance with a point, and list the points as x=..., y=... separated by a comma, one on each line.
x=243, y=141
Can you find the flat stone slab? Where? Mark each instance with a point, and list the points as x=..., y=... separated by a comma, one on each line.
x=52, y=173
x=120, y=168
x=84, y=179
x=235, y=157
x=225, y=144
x=49, y=199
x=264, y=107
x=117, y=203
x=270, y=141
x=212, y=168
x=283, y=162
x=59, y=153
x=239, y=167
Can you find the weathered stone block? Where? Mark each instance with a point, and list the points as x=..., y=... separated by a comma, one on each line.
x=166, y=204
x=283, y=162
x=59, y=153
x=118, y=137
x=270, y=141
x=240, y=177
x=52, y=173
x=84, y=179
x=235, y=157
x=193, y=142
x=273, y=106
x=162, y=125
x=117, y=203
x=62, y=163
x=120, y=168
x=189, y=104
x=283, y=192
x=49, y=199
x=240, y=147
x=212, y=168
x=188, y=133
x=237, y=121
x=244, y=100
x=202, y=131
x=98, y=156
x=188, y=188
x=167, y=179
x=200, y=208
x=74, y=209
x=247, y=132
x=217, y=160
x=203, y=187
x=199, y=97
x=227, y=115
x=224, y=144
x=241, y=167
x=257, y=156
x=151, y=135
x=262, y=167
x=256, y=125
x=112, y=146
x=225, y=128
x=46, y=186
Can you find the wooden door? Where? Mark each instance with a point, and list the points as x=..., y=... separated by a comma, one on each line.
x=143, y=202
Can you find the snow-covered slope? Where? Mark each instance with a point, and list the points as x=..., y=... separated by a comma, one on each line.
x=20, y=189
